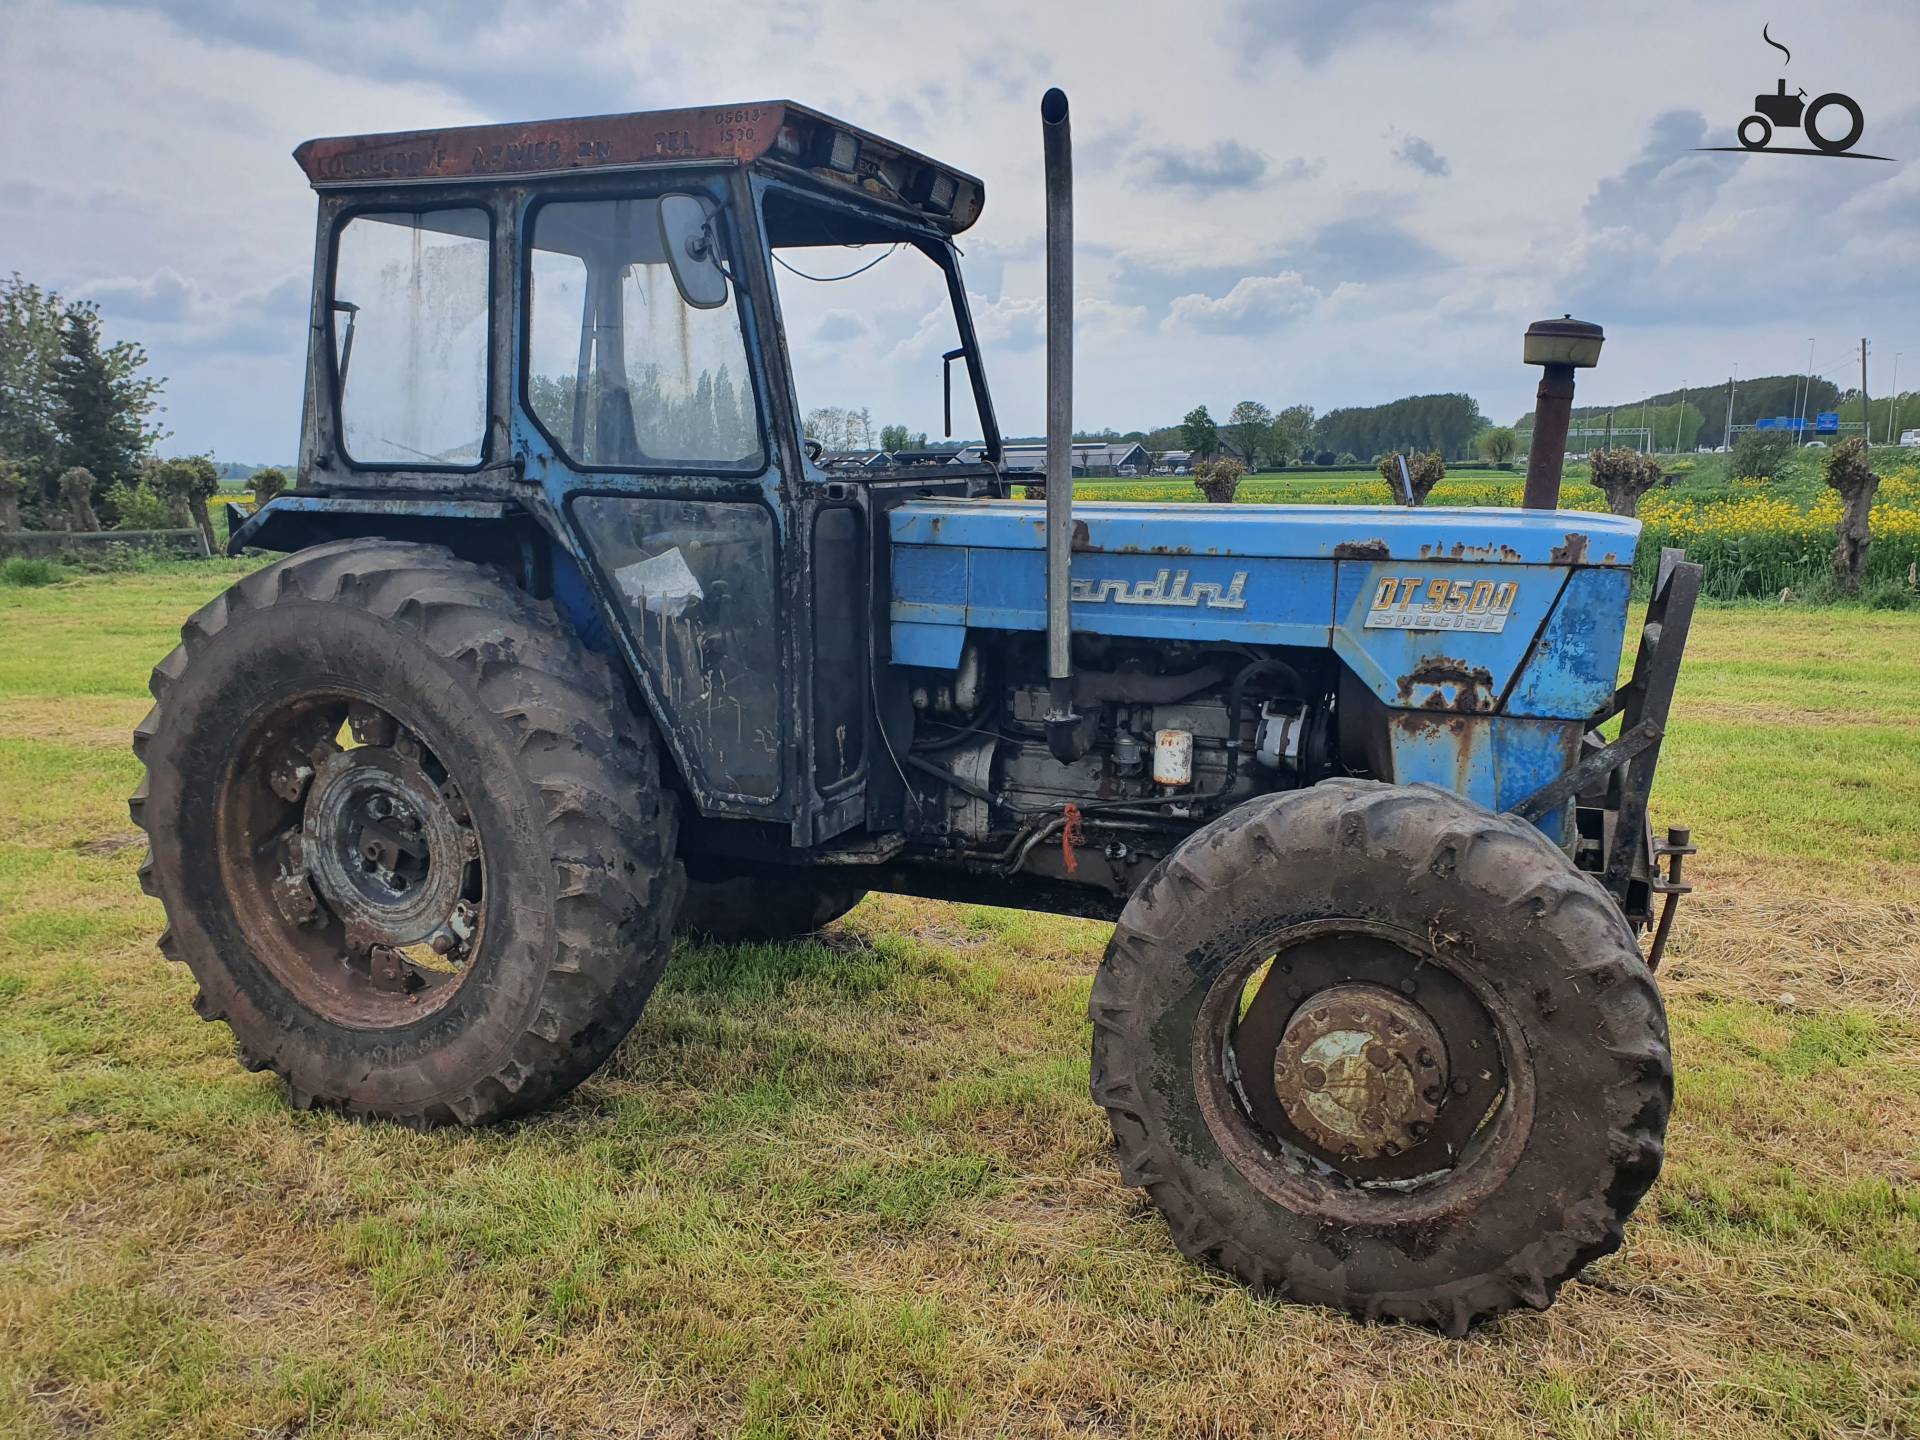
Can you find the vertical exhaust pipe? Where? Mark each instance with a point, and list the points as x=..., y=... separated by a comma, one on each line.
x=1063, y=726
x=1558, y=347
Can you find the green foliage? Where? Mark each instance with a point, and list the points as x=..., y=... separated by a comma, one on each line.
x=29, y=346
x=1424, y=471
x=893, y=437
x=1198, y=433
x=266, y=482
x=140, y=507
x=28, y=571
x=1250, y=427
x=1759, y=398
x=1219, y=479
x=1499, y=444
x=191, y=477
x=13, y=477
x=1446, y=424
x=102, y=404
x=1760, y=453
x=1848, y=467
x=1623, y=476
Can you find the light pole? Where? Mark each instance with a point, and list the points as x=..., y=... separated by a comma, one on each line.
x=1726, y=435
x=1800, y=427
x=1893, y=398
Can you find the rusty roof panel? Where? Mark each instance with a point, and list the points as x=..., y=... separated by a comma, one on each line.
x=776, y=130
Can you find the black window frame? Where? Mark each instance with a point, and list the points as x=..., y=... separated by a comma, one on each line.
x=345, y=217
x=730, y=247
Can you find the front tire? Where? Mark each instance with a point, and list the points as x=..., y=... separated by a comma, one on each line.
x=1374, y=1048
x=410, y=840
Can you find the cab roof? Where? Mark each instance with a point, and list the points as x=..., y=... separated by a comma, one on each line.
x=773, y=134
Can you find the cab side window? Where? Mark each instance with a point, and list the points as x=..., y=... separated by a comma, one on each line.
x=409, y=315
x=621, y=372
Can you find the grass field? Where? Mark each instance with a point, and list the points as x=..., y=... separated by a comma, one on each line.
x=856, y=1187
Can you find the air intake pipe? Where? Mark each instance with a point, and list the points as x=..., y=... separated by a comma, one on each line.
x=1065, y=737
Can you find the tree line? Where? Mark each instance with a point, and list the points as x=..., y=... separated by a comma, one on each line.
x=79, y=420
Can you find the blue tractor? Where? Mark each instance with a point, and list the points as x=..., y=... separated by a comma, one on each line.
x=577, y=642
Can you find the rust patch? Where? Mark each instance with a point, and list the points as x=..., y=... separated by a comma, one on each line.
x=1362, y=550
x=1082, y=537
x=1460, y=550
x=1472, y=685
x=1574, y=552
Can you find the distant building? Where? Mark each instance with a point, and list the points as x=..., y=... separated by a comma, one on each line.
x=1119, y=457
x=930, y=455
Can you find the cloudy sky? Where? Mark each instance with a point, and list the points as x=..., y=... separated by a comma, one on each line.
x=1322, y=201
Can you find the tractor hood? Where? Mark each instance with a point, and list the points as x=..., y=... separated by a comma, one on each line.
x=1431, y=608
x=1302, y=532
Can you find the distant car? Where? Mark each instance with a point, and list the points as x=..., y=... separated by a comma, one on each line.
x=1910, y=437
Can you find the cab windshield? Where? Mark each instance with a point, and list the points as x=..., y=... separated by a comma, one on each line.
x=874, y=340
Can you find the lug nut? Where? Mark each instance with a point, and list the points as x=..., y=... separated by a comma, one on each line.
x=1460, y=1086
x=1425, y=1057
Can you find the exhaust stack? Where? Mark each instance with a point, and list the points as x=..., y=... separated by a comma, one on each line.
x=1063, y=726
x=1558, y=347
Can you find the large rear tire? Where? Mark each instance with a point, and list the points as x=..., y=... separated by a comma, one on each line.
x=1374, y=1048
x=410, y=839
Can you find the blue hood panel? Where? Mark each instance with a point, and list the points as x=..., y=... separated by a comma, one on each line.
x=1308, y=532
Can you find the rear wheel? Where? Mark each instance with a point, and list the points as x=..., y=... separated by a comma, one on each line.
x=1374, y=1048
x=745, y=909
x=409, y=839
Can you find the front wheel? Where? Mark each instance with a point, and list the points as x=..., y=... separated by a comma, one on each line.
x=409, y=838
x=1374, y=1048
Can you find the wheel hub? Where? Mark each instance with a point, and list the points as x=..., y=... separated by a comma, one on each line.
x=381, y=845
x=1361, y=1071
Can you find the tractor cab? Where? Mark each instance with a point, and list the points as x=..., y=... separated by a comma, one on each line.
x=605, y=333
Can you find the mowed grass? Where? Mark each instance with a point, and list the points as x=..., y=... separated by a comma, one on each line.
x=855, y=1187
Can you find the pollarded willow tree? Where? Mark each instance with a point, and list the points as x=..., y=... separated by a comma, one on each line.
x=1849, y=472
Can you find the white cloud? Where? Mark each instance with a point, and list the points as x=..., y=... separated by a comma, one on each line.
x=1256, y=303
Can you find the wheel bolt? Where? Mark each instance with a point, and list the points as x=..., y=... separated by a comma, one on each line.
x=1425, y=1057
x=1407, y=987
x=1314, y=1078
x=1433, y=1094
x=1460, y=1087
x=1418, y=1129
x=442, y=942
x=1379, y=1057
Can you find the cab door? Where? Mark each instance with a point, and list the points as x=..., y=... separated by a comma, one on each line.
x=640, y=412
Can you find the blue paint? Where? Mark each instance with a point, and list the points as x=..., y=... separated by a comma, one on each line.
x=1493, y=760
x=1576, y=662
x=1440, y=669
x=1302, y=532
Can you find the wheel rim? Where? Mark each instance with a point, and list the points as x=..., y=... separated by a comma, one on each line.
x=1347, y=1066
x=351, y=860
